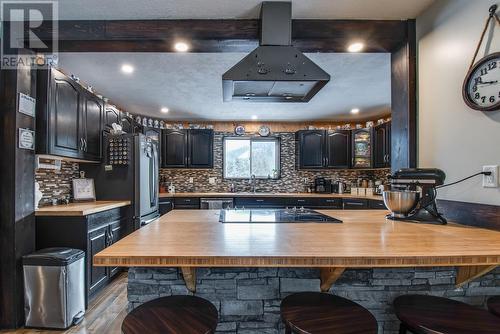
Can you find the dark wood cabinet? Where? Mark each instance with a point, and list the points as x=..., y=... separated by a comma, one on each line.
x=315, y=202
x=111, y=115
x=69, y=119
x=310, y=149
x=382, y=146
x=362, y=148
x=338, y=149
x=376, y=204
x=256, y=202
x=91, y=234
x=319, y=149
x=92, y=127
x=187, y=148
x=174, y=148
x=187, y=203
x=355, y=203
x=98, y=240
x=165, y=205
x=200, y=148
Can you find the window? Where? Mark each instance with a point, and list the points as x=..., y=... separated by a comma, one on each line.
x=244, y=157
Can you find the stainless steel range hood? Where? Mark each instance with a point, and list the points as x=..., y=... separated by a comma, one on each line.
x=275, y=71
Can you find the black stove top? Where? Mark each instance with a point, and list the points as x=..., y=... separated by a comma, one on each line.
x=293, y=215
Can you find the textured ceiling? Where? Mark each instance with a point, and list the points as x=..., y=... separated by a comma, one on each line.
x=190, y=86
x=203, y=9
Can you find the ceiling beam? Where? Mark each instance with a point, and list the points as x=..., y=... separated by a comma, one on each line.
x=222, y=35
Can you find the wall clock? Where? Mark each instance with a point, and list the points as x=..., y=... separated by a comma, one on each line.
x=481, y=88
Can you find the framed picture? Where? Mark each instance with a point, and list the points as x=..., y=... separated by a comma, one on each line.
x=83, y=190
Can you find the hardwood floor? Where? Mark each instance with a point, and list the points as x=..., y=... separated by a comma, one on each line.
x=104, y=315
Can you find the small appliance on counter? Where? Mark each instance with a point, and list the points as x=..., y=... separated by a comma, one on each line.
x=413, y=195
x=129, y=171
x=322, y=185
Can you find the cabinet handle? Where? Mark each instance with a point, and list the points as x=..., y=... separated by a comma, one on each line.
x=301, y=200
x=259, y=200
x=81, y=144
x=85, y=144
x=187, y=200
x=326, y=161
x=354, y=203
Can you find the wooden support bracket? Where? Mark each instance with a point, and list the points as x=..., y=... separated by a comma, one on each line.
x=470, y=273
x=189, y=274
x=329, y=276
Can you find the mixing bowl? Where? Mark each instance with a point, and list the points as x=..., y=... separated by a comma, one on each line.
x=401, y=202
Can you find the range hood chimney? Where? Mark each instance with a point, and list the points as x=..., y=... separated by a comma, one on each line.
x=275, y=71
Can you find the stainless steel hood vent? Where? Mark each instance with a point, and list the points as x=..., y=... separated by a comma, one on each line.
x=275, y=71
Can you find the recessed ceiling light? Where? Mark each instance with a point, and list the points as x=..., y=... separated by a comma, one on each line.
x=354, y=111
x=355, y=47
x=254, y=117
x=126, y=68
x=181, y=47
x=164, y=110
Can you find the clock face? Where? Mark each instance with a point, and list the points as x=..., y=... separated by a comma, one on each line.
x=482, y=85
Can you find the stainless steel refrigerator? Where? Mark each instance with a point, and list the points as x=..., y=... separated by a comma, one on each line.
x=129, y=171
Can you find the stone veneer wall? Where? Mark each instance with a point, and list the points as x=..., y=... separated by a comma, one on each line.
x=57, y=183
x=248, y=299
x=292, y=180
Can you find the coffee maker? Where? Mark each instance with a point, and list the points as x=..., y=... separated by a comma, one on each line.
x=413, y=195
x=322, y=185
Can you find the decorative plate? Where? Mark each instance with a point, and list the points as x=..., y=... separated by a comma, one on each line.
x=239, y=130
x=264, y=131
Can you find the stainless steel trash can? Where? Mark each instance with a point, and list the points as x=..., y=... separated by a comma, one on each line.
x=54, y=287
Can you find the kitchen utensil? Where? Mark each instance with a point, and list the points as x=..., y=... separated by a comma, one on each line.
x=401, y=203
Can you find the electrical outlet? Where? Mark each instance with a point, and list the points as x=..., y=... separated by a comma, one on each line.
x=490, y=181
x=211, y=180
x=191, y=180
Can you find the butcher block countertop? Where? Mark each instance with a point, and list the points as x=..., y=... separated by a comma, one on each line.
x=263, y=194
x=79, y=209
x=196, y=238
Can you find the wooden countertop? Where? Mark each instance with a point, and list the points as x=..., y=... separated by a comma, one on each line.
x=195, y=238
x=79, y=209
x=262, y=194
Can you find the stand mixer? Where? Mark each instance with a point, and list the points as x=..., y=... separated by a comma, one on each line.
x=413, y=195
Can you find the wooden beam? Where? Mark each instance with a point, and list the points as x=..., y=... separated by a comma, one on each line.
x=189, y=275
x=329, y=276
x=403, y=102
x=221, y=35
x=470, y=273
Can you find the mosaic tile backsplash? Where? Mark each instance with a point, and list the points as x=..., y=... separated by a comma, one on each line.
x=292, y=180
x=57, y=184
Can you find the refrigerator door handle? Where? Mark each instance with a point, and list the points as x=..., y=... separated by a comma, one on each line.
x=152, y=179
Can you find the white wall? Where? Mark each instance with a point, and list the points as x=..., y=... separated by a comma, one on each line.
x=452, y=136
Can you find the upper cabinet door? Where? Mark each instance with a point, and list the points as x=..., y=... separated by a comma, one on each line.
x=174, y=148
x=111, y=115
x=200, y=149
x=92, y=117
x=379, y=146
x=338, y=149
x=311, y=147
x=64, y=112
x=362, y=148
x=388, y=144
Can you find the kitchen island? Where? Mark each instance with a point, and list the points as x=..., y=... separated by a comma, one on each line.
x=246, y=269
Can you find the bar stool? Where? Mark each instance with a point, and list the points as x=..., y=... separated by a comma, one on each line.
x=494, y=305
x=322, y=313
x=421, y=314
x=172, y=315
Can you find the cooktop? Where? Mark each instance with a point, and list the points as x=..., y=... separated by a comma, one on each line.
x=293, y=215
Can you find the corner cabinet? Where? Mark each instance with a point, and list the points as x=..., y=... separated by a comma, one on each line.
x=191, y=148
x=69, y=119
x=382, y=145
x=319, y=149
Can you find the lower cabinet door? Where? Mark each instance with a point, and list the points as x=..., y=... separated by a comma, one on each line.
x=117, y=230
x=97, y=276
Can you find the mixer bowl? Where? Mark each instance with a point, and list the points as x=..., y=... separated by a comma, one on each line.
x=401, y=202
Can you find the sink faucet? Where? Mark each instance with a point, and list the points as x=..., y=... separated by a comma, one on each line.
x=252, y=183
